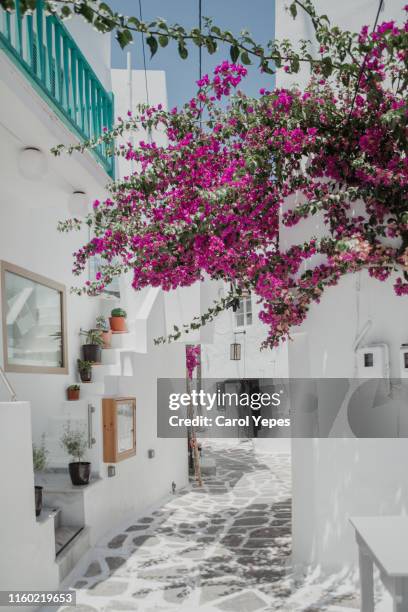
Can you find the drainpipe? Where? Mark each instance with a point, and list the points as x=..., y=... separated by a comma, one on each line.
x=130, y=96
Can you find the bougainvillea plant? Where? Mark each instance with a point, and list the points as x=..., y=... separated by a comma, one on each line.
x=208, y=204
x=193, y=358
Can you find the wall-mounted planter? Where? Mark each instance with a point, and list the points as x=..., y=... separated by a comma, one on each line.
x=38, y=500
x=92, y=352
x=118, y=324
x=117, y=320
x=80, y=472
x=106, y=338
x=73, y=393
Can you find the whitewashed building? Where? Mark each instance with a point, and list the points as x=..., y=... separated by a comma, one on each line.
x=56, y=86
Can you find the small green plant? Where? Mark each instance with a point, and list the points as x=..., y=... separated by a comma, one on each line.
x=92, y=336
x=102, y=324
x=74, y=442
x=40, y=454
x=74, y=388
x=84, y=365
x=119, y=312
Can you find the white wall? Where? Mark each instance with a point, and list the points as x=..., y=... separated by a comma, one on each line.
x=29, y=212
x=140, y=482
x=95, y=46
x=254, y=363
x=27, y=559
x=334, y=479
x=349, y=15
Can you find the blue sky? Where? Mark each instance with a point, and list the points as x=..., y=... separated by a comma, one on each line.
x=256, y=16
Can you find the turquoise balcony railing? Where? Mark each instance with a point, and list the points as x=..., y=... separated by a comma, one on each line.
x=43, y=49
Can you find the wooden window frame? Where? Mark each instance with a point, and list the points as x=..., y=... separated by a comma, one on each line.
x=110, y=429
x=5, y=266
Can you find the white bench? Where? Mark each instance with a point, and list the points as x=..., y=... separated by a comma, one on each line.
x=383, y=541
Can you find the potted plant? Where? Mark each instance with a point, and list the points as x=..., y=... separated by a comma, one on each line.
x=117, y=320
x=73, y=392
x=93, y=344
x=85, y=370
x=39, y=463
x=75, y=444
x=106, y=332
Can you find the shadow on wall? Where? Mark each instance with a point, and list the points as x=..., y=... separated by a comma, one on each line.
x=352, y=482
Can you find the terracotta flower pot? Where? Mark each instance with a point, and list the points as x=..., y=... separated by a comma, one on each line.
x=118, y=324
x=107, y=338
x=72, y=394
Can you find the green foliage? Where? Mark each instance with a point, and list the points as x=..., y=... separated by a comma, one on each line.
x=83, y=365
x=74, y=442
x=102, y=324
x=40, y=454
x=118, y=312
x=153, y=44
x=241, y=47
x=74, y=388
x=92, y=336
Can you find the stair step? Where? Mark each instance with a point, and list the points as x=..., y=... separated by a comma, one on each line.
x=110, y=356
x=50, y=513
x=91, y=389
x=73, y=550
x=63, y=536
x=127, y=340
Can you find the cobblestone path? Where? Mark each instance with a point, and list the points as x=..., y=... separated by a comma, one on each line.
x=223, y=547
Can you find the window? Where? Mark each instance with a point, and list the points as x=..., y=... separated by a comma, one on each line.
x=34, y=322
x=95, y=266
x=243, y=314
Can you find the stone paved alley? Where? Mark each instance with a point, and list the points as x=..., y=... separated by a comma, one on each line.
x=224, y=546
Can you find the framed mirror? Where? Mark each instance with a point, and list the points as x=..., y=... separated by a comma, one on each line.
x=119, y=428
x=33, y=321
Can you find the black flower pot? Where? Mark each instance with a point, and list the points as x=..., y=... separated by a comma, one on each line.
x=80, y=472
x=92, y=352
x=38, y=500
x=86, y=375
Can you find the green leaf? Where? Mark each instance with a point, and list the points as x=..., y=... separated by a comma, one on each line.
x=153, y=44
x=163, y=40
x=234, y=53
x=8, y=5
x=327, y=67
x=134, y=21
x=124, y=37
x=183, y=53
x=86, y=12
x=105, y=7
x=266, y=69
x=65, y=12
x=293, y=10
x=245, y=58
x=295, y=64
x=211, y=45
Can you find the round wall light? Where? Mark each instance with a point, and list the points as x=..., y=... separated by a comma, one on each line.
x=32, y=163
x=78, y=203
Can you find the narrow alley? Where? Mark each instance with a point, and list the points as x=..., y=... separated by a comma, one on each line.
x=225, y=546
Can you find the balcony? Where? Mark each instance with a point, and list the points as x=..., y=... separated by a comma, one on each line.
x=42, y=48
